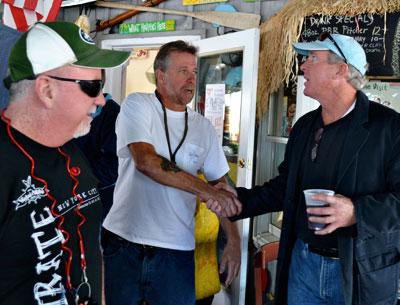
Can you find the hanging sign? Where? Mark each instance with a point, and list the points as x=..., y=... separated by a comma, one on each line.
x=215, y=107
x=195, y=2
x=147, y=27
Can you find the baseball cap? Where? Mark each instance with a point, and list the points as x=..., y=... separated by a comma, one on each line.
x=345, y=46
x=51, y=45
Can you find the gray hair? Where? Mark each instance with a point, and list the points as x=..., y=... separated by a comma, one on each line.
x=162, y=58
x=355, y=79
x=20, y=89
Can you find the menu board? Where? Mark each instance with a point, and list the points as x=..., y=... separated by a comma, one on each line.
x=379, y=36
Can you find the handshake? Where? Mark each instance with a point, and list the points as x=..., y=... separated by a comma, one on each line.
x=222, y=200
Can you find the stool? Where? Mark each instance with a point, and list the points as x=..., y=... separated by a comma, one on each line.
x=267, y=253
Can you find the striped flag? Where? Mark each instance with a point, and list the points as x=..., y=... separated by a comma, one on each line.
x=20, y=14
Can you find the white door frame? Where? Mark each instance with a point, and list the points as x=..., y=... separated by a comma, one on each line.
x=248, y=42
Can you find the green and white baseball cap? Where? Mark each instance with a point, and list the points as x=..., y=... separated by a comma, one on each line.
x=51, y=45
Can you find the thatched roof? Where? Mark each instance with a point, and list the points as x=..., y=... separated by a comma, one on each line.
x=280, y=31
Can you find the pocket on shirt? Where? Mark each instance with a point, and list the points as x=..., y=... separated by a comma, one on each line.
x=194, y=157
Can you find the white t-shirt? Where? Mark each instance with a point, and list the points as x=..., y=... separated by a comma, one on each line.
x=145, y=211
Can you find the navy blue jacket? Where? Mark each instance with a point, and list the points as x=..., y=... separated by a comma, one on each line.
x=8, y=38
x=100, y=148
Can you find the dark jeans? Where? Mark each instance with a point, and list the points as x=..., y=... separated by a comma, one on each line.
x=136, y=273
x=313, y=279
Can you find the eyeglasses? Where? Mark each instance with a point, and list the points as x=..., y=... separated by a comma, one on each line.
x=325, y=35
x=317, y=140
x=91, y=87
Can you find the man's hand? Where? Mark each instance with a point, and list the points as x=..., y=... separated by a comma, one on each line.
x=340, y=213
x=230, y=263
x=224, y=201
x=226, y=187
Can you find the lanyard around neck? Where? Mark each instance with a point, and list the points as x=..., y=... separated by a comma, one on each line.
x=172, y=155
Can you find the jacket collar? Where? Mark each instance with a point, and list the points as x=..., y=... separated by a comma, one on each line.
x=357, y=134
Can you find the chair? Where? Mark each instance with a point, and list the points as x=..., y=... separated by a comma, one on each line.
x=267, y=253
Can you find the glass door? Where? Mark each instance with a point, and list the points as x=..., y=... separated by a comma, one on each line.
x=226, y=94
x=219, y=98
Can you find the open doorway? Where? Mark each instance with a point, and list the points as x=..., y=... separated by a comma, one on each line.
x=139, y=72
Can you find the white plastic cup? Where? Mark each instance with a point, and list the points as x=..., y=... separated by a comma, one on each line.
x=312, y=203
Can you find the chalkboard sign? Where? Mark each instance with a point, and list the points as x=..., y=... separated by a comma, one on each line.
x=381, y=43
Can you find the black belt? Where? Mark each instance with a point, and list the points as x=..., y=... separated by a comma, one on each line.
x=326, y=252
x=110, y=235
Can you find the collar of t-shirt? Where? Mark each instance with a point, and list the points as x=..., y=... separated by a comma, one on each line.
x=350, y=109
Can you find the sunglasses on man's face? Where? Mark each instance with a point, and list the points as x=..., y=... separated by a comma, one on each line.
x=326, y=35
x=92, y=88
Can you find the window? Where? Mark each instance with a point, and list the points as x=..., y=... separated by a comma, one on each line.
x=272, y=139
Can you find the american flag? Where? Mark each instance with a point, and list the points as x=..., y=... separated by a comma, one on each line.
x=20, y=14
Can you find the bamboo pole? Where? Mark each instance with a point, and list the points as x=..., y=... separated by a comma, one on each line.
x=126, y=15
x=235, y=20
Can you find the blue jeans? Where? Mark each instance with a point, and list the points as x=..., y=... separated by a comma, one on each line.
x=313, y=279
x=135, y=273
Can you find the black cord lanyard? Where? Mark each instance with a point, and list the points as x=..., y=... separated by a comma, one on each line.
x=172, y=155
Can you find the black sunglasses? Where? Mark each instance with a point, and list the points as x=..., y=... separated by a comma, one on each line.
x=317, y=140
x=325, y=35
x=91, y=87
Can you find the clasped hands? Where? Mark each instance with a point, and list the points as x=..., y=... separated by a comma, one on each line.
x=223, y=201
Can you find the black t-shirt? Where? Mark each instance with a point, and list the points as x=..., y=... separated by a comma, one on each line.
x=32, y=263
x=320, y=173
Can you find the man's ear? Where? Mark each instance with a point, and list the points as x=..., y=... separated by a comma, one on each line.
x=44, y=89
x=343, y=70
x=160, y=76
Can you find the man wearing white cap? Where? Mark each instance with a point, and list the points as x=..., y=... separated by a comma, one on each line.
x=50, y=210
x=352, y=146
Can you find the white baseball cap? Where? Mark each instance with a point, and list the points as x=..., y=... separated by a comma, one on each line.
x=344, y=46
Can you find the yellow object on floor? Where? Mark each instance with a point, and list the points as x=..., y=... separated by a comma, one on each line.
x=206, y=265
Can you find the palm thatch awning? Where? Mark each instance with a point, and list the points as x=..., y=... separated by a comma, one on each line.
x=280, y=31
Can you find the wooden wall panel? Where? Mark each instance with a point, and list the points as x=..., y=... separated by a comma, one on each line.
x=264, y=8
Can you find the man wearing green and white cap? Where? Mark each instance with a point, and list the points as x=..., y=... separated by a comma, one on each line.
x=50, y=210
x=349, y=145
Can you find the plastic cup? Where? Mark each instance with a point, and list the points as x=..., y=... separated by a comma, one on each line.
x=312, y=203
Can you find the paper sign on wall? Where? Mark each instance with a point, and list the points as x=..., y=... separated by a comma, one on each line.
x=384, y=93
x=215, y=107
x=195, y=2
